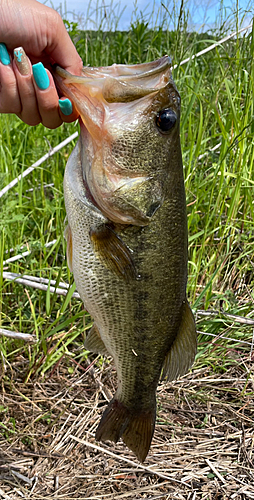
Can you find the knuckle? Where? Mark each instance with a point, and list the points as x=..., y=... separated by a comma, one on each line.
x=32, y=121
x=9, y=98
x=69, y=119
x=51, y=121
x=54, y=21
x=9, y=107
x=52, y=126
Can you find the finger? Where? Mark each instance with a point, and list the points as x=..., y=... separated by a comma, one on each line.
x=23, y=71
x=62, y=50
x=67, y=111
x=9, y=95
x=47, y=96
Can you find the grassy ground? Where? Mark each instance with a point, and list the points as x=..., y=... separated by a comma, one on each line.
x=48, y=390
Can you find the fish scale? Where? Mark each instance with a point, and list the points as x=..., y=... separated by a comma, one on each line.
x=127, y=236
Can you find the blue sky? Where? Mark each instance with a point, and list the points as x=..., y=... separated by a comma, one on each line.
x=203, y=13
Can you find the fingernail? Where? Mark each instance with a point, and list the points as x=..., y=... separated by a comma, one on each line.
x=66, y=106
x=4, y=56
x=40, y=76
x=21, y=60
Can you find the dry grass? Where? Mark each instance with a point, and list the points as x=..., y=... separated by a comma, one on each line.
x=203, y=443
x=202, y=448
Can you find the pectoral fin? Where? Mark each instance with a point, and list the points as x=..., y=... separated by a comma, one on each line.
x=113, y=252
x=68, y=237
x=183, y=350
x=94, y=343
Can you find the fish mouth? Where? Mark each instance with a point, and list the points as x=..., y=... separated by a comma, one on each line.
x=119, y=82
x=129, y=70
x=103, y=96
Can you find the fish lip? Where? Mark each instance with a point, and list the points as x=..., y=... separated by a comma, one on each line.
x=156, y=67
x=130, y=75
x=132, y=70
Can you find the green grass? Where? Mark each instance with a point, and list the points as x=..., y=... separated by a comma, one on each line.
x=217, y=91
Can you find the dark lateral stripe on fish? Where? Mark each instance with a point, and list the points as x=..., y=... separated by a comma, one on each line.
x=113, y=252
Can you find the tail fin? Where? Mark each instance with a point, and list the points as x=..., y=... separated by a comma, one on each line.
x=139, y=433
x=136, y=429
x=113, y=422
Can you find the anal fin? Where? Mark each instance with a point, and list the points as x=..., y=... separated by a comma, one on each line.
x=183, y=350
x=112, y=252
x=94, y=343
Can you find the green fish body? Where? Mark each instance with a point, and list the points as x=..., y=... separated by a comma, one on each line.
x=127, y=235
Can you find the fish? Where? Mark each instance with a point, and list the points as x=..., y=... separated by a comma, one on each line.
x=127, y=239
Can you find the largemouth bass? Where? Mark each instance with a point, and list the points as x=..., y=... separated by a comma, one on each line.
x=127, y=235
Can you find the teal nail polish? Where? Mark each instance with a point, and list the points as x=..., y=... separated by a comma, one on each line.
x=4, y=56
x=40, y=76
x=66, y=106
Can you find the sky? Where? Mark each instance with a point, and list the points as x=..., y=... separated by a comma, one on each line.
x=119, y=14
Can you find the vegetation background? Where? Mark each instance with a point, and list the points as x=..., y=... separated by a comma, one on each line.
x=217, y=130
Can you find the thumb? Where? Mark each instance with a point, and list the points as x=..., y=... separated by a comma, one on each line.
x=62, y=50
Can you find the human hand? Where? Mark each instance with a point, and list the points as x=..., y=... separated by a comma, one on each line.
x=34, y=33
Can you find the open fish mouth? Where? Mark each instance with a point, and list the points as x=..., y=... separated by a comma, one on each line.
x=112, y=101
x=120, y=82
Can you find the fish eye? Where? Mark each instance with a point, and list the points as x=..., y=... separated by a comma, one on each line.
x=165, y=120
